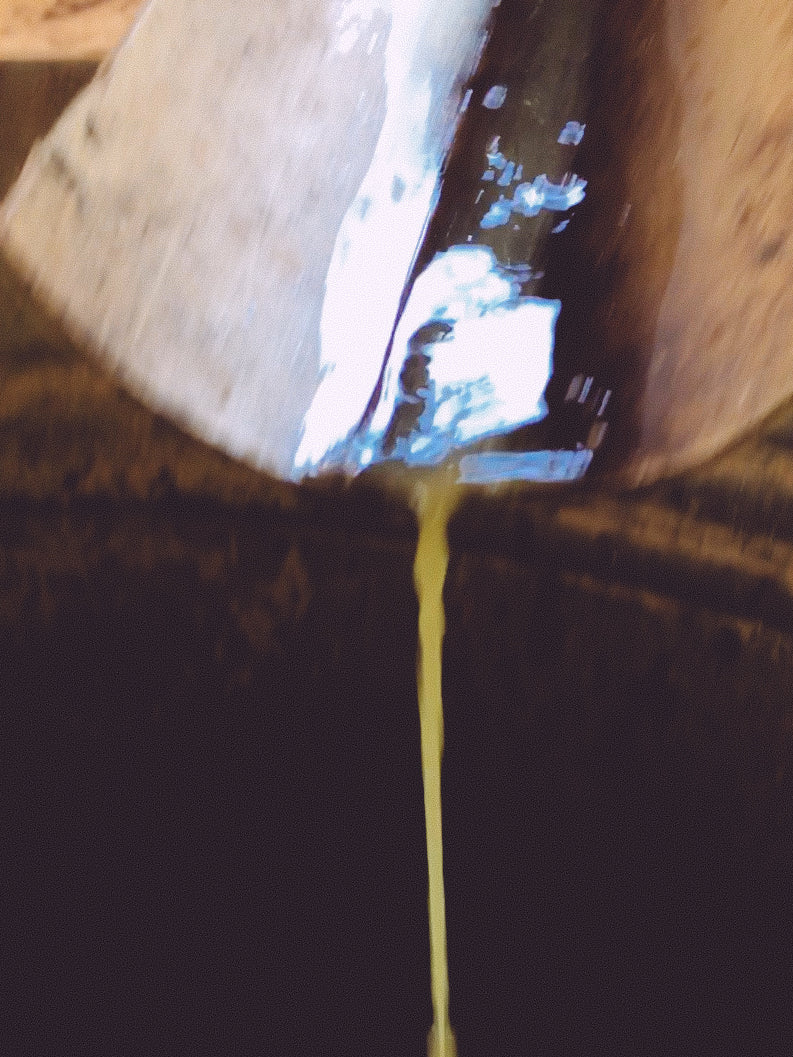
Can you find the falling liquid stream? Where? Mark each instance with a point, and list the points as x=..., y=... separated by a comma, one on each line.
x=435, y=501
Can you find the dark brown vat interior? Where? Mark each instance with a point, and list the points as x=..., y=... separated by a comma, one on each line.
x=212, y=822
x=213, y=817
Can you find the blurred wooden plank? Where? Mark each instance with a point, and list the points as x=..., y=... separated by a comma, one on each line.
x=63, y=29
x=186, y=227
x=35, y=94
x=685, y=248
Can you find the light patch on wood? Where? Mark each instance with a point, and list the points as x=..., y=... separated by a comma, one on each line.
x=53, y=30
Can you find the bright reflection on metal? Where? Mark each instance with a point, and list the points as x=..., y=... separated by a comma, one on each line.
x=538, y=466
x=529, y=198
x=487, y=373
x=572, y=134
x=378, y=239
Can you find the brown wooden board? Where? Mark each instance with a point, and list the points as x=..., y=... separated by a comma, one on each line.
x=57, y=30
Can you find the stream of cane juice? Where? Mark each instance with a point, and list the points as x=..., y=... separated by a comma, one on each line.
x=435, y=502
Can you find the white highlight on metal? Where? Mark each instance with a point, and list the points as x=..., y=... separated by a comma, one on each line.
x=495, y=97
x=546, y=467
x=529, y=198
x=507, y=175
x=489, y=374
x=494, y=155
x=497, y=215
x=355, y=17
x=572, y=134
x=380, y=233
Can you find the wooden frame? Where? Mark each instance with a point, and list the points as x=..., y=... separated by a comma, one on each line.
x=59, y=30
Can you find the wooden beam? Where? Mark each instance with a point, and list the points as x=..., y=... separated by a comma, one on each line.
x=58, y=30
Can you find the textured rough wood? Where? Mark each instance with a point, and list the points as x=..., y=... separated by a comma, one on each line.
x=56, y=30
x=723, y=347
x=35, y=93
x=685, y=247
x=185, y=212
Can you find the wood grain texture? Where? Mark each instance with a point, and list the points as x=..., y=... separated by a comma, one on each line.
x=36, y=94
x=63, y=29
x=722, y=356
x=689, y=257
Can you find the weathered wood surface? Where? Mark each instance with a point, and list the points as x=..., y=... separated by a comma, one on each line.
x=35, y=94
x=685, y=244
x=58, y=30
x=184, y=214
